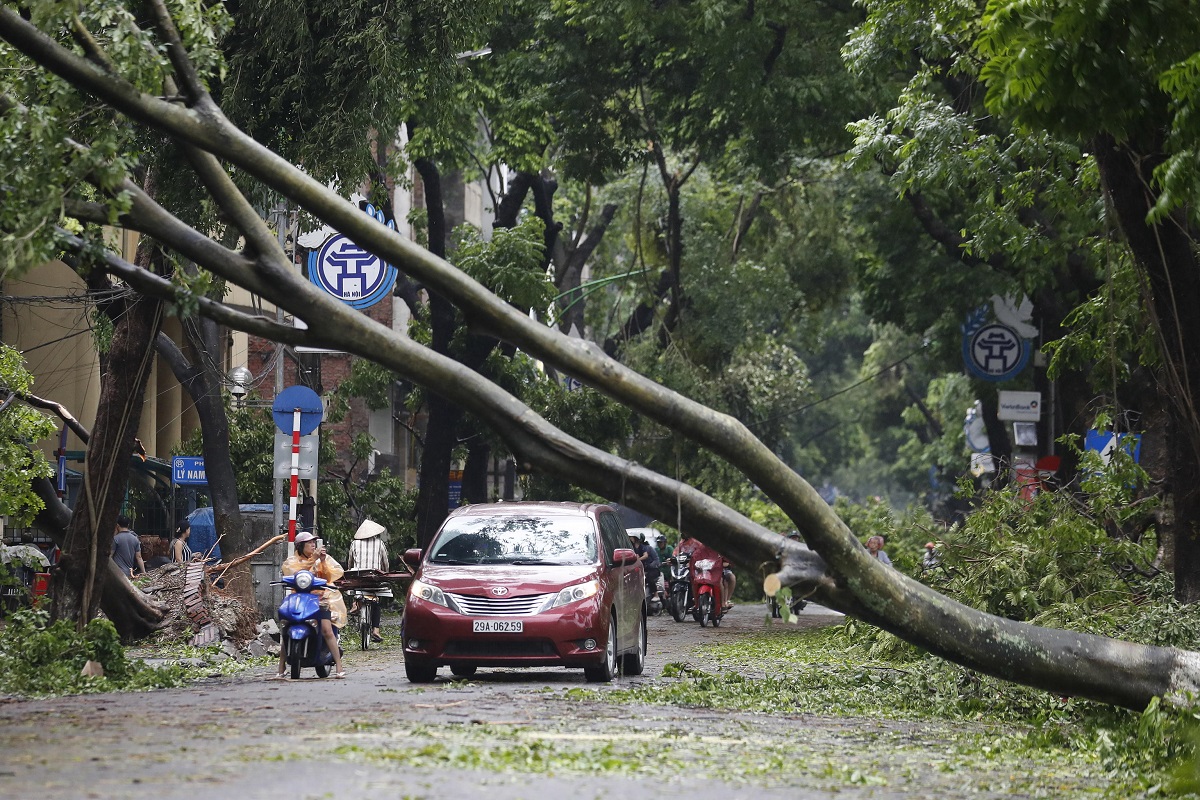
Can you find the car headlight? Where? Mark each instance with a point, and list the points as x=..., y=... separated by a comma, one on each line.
x=428, y=593
x=573, y=594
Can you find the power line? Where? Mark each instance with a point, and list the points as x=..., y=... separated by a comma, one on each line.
x=841, y=391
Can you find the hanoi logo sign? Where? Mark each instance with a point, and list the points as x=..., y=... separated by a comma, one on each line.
x=348, y=272
x=991, y=350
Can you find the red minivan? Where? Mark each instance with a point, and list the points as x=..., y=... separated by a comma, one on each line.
x=526, y=585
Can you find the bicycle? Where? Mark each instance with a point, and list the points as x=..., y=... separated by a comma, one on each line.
x=363, y=606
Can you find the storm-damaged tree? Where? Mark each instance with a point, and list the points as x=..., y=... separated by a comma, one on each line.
x=838, y=571
x=84, y=566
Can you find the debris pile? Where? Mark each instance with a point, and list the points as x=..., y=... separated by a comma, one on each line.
x=197, y=612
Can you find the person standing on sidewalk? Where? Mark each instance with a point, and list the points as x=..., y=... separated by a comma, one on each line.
x=127, y=548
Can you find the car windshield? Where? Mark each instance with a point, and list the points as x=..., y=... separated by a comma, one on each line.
x=520, y=540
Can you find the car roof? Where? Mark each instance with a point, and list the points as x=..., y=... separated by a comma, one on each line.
x=542, y=507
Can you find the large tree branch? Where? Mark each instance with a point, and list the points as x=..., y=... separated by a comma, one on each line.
x=61, y=411
x=157, y=286
x=1067, y=663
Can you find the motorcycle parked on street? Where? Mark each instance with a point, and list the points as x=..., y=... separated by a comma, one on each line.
x=709, y=605
x=300, y=631
x=679, y=585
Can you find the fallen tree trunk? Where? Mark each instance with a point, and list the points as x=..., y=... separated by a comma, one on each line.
x=1062, y=662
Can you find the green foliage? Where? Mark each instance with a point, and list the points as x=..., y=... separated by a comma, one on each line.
x=905, y=533
x=39, y=658
x=20, y=427
x=383, y=498
x=251, y=450
x=1086, y=68
x=369, y=382
x=510, y=264
x=389, y=63
x=1109, y=332
x=1050, y=556
x=710, y=79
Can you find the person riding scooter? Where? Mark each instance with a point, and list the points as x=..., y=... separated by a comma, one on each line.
x=310, y=557
x=652, y=566
x=708, y=579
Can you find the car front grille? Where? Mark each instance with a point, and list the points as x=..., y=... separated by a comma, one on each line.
x=500, y=606
x=500, y=648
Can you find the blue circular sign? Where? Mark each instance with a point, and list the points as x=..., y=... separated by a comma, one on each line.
x=995, y=352
x=350, y=273
x=283, y=410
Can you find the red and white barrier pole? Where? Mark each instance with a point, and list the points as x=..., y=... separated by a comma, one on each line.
x=295, y=482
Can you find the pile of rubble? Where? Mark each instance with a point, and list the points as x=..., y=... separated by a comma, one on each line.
x=199, y=613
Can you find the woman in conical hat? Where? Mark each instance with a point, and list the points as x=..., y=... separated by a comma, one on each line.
x=368, y=552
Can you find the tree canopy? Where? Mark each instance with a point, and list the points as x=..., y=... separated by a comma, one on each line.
x=94, y=96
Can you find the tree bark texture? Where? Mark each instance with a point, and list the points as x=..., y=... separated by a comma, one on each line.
x=197, y=377
x=1166, y=254
x=78, y=583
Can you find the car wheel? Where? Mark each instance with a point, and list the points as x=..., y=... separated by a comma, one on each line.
x=419, y=672
x=463, y=670
x=606, y=671
x=634, y=663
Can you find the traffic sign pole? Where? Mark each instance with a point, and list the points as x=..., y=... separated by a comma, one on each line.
x=295, y=481
x=296, y=410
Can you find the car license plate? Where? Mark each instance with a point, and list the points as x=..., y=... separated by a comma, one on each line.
x=498, y=626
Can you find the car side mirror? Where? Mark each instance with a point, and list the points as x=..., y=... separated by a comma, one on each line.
x=413, y=557
x=623, y=555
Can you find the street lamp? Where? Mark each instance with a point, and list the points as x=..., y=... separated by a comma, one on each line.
x=239, y=383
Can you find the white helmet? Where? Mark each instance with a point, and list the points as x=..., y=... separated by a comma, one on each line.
x=304, y=536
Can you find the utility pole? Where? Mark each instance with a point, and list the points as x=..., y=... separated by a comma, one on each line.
x=281, y=223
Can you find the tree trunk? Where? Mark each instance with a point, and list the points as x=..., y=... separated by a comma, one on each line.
x=998, y=439
x=131, y=611
x=570, y=260
x=475, y=472
x=205, y=389
x=1062, y=662
x=443, y=418
x=1165, y=252
x=78, y=583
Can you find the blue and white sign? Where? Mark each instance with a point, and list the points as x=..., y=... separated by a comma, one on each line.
x=348, y=272
x=188, y=470
x=1106, y=442
x=302, y=399
x=991, y=350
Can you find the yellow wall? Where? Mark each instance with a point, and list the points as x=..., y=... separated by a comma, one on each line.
x=45, y=317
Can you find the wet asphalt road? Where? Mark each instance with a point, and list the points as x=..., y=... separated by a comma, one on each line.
x=375, y=735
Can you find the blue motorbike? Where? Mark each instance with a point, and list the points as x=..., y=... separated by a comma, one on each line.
x=300, y=630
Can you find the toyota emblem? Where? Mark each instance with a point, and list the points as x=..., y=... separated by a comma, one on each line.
x=499, y=591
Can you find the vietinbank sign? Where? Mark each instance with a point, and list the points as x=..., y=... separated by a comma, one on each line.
x=348, y=272
x=1020, y=406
